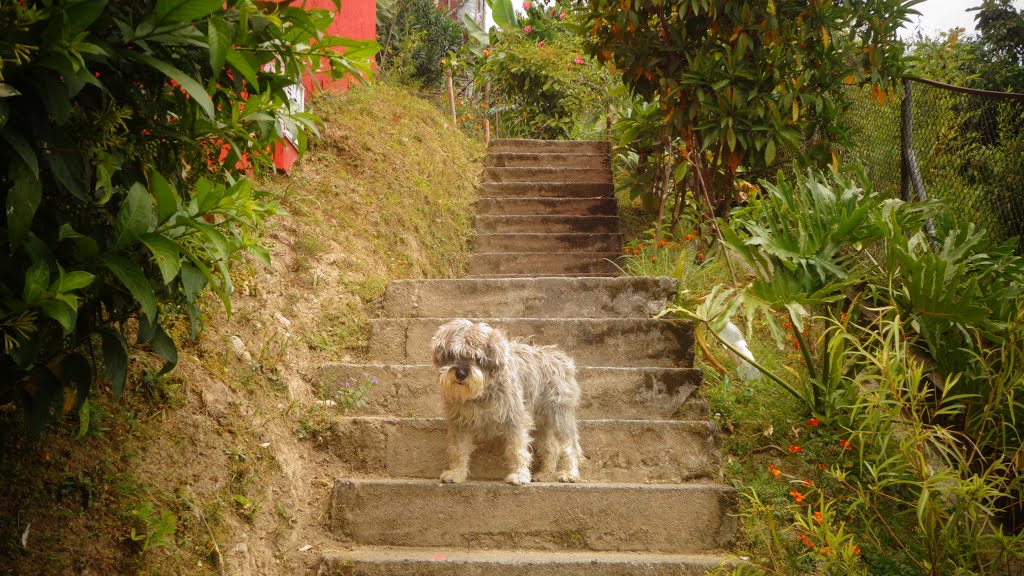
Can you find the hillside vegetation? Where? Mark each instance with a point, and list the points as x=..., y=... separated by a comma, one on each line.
x=223, y=466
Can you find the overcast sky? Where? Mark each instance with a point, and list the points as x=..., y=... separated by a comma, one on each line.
x=941, y=15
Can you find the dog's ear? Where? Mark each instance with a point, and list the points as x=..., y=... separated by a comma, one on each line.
x=498, y=349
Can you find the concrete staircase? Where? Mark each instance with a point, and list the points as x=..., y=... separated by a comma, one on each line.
x=651, y=502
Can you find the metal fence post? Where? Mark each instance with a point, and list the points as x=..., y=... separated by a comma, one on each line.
x=906, y=140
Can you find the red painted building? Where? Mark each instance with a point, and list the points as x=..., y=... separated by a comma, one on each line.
x=358, y=21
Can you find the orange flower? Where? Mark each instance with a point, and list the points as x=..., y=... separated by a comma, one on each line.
x=774, y=471
x=795, y=449
x=813, y=422
x=662, y=242
x=806, y=540
x=654, y=258
x=846, y=444
x=787, y=325
x=690, y=237
x=700, y=255
x=806, y=482
x=856, y=550
x=817, y=517
x=798, y=497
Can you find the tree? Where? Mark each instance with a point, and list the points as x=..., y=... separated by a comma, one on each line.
x=738, y=80
x=127, y=130
x=1000, y=45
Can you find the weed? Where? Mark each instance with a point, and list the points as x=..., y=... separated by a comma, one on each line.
x=347, y=396
x=152, y=527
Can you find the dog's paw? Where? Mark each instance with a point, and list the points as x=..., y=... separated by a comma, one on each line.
x=544, y=477
x=568, y=477
x=518, y=478
x=453, y=476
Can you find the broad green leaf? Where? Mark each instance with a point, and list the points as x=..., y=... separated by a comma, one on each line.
x=83, y=13
x=260, y=253
x=72, y=171
x=23, y=200
x=475, y=31
x=192, y=281
x=184, y=10
x=769, y=151
x=23, y=149
x=134, y=280
x=87, y=247
x=165, y=347
x=219, y=39
x=503, y=13
x=214, y=238
x=37, y=278
x=187, y=83
x=241, y=63
x=115, y=357
x=62, y=312
x=76, y=373
x=134, y=217
x=166, y=197
x=165, y=252
x=73, y=281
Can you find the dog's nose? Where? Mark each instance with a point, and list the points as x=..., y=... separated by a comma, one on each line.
x=460, y=374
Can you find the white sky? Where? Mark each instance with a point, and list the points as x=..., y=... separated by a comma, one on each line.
x=936, y=15
x=941, y=15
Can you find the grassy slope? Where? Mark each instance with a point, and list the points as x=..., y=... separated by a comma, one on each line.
x=235, y=444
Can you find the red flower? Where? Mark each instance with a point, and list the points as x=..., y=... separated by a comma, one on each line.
x=813, y=422
x=846, y=444
x=690, y=237
x=787, y=326
x=700, y=255
x=806, y=483
x=527, y=29
x=578, y=59
x=540, y=44
x=795, y=449
x=856, y=550
x=817, y=517
x=806, y=540
x=798, y=497
x=526, y=4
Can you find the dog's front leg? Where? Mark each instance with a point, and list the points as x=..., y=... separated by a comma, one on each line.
x=460, y=446
x=517, y=451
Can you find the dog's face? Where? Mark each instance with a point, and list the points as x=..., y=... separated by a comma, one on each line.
x=466, y=354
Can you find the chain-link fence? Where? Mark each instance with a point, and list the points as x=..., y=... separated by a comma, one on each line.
x=964, y=147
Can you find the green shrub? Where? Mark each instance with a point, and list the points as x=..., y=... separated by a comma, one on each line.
x=415, y=36
x=544, y=89
x=126, y=132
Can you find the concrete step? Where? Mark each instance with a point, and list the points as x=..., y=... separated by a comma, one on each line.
x=412, y=390
x=590, y=341
x=546, y=159
x=500, y=145
x=546, y=190
x=539, y=242
x=546, y=206
x=530, y=297
x=547, y=224
x=663, y=518
x=632, y=451
x=547, y=174
x=394, y=561
x=534, y=264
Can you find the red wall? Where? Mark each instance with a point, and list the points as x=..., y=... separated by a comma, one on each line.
x=357, y=20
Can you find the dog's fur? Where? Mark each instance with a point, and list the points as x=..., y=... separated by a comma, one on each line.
x=493, y=387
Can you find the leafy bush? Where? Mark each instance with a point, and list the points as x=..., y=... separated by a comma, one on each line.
x=126, y=131
x=416, y=36
x=912, y=361
x=543, y=89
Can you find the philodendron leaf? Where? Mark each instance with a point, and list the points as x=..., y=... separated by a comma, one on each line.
x=62, y=312
x=135, y=280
